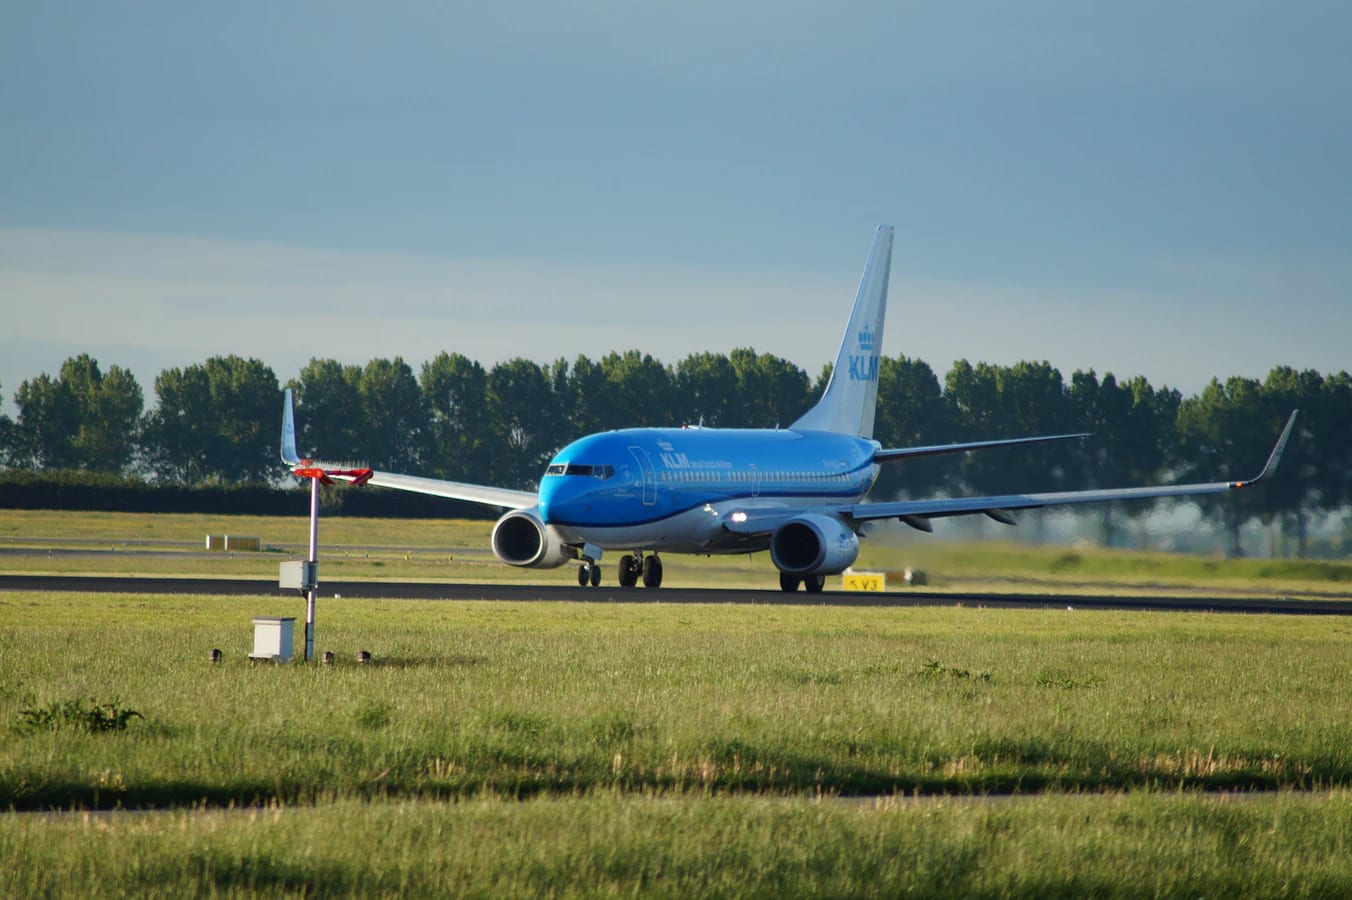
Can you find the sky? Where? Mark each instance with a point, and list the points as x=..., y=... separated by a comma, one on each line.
x=1153, y=188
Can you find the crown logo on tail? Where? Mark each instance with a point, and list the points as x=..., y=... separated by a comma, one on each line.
x=866, y=339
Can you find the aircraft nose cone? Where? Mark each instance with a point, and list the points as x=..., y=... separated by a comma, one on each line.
x=548, y=494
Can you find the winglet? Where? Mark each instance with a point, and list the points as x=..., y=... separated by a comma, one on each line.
x=289, y=454
x=1275, y=457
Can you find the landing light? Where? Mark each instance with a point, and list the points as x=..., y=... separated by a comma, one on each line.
x=739, y=517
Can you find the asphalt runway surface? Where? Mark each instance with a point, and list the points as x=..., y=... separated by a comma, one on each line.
x=408, y=590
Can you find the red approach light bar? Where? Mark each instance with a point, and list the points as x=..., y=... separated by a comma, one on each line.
x=358, y=476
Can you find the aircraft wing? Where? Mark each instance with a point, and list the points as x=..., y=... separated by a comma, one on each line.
x=917, y=513
x=504, y=498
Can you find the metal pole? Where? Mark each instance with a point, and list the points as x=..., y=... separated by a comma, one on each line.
x=314, y=560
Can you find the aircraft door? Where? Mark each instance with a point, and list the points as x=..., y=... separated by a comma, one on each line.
x=645, y=464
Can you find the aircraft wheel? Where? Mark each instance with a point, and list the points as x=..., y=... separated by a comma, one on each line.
x=814, y=583
x=789, y=582
x=652, y=572
x=630, y=568
x=595, y=575
x=583, y=575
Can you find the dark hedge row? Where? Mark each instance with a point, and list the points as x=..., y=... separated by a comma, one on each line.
x=92, y=491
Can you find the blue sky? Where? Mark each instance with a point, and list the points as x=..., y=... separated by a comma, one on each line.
x=1148, y=188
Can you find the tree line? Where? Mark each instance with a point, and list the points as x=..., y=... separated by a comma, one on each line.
x=218, y=422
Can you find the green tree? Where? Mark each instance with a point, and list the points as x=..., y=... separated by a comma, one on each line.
x=1220, y=432
x=987, y=402
x=47, y=420
x=1131, y=427
x=1335, y=456
x=217, y=421
x=705, y=386
x=1303, y=484
x=640, y=391
x=526, y=416
x=395, y=421
x=82, y=419
x=622, y=390
x=911, y=413
x=771, y=391
x=329, y=411
x=455, y=391
x=8, y=450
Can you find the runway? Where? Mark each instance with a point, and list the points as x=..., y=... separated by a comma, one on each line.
x=408, y=590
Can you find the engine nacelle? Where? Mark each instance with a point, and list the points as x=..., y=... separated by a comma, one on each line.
x=814, y=544
x=521, y=538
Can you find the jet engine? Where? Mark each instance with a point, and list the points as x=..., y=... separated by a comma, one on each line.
x=814, y=544
x=521, y=538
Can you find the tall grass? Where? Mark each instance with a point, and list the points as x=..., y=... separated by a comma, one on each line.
x=610, y=844
x=523, y=699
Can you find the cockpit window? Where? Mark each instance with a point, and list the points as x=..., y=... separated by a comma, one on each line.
x=602, y=472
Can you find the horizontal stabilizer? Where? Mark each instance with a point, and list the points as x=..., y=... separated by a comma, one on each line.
x=940, y=449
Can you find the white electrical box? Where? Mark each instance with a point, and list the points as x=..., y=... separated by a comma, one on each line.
x=299, y=575
x=274, y=638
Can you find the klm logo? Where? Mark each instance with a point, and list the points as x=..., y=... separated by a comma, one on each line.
x=675, y=460
x=864, y=365
x=863, y=368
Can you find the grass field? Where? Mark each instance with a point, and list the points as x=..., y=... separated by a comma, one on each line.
x=457, y=550
x=1137, y=845
x=501, y=749
x=519, y=699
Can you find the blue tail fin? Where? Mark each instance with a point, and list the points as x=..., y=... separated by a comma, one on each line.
x=851, y=397
x=289, y=454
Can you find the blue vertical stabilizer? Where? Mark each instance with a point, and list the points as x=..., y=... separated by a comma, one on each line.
x=851, y=397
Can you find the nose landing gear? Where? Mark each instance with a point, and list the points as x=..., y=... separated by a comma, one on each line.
x=589, y=573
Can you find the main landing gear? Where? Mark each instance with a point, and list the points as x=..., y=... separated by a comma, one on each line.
x=633, y=566
x=813, y=584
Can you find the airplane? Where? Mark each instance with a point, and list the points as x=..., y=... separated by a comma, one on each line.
x=798, y=492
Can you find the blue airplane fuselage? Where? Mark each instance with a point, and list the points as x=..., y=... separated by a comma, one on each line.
x=641, y=476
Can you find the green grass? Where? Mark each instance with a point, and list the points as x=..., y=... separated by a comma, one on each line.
x=613, y=845
x=457, y=551
x=504, y=749
x=522, y=699
x=126, y=529
x=1013, y=562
